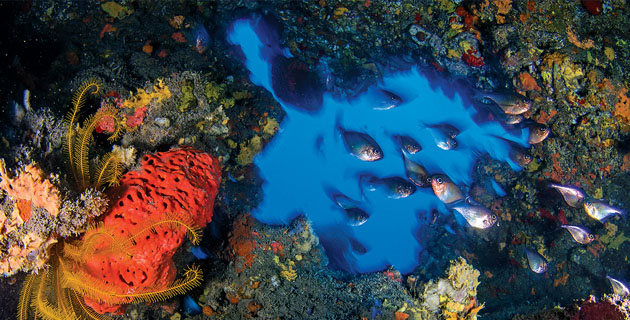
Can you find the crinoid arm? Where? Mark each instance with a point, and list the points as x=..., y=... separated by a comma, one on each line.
x=98, y=239
x=78, y=100
x=109, y=295
x=173, y=221
x=25, y=297
x=108, y=171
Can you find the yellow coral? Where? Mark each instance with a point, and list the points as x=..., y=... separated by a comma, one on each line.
x=270, y=127
x=31, y=185
x=286, y=271
x=556, y=67
x=455, y=296
x=503, y=7
x=116, y=10
x=249, y=150
x=143, y=98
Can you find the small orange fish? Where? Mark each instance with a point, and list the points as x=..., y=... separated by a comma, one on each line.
x=445, y=189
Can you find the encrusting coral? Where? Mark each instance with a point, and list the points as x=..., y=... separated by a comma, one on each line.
x=454, y=297
x=30, y=187
x=28, y=192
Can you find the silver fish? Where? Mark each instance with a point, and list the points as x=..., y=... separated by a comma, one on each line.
x=600, y=210
x=619, y=287
x=573, y=196
x=387, y=100
x=443, y=140
x=356, y=216
x=416, y=172
x=447, y=129
x=477, y=216
x=408, y=144
x=511, y=118
x=445, y=189
x=579, y=234
x=536, y=261
x=362, y=146
x=508, y=102
x=393, y=187
x=343, y=201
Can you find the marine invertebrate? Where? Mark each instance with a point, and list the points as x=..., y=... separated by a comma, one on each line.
x=23, y=246
x=78, y=139
x=308, y=164
x=30, y=187
x=127, y=257
x=455, y=295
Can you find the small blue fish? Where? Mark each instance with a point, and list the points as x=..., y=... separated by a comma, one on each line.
x=356, y=216
x=387, y=100
x=573, y=196
x=600, y=210
x=343, y=201
x=536, y=261
x=443, y=140
x=393, y=187
x=408, y=144
x=579, y=234
x=361, y=145
x=416, y=173
x=447, y=129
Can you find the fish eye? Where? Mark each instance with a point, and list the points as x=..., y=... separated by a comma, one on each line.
x=528, y=157
x=428, y=179
x=439, y=180
x=591, y=236
x=494, y=217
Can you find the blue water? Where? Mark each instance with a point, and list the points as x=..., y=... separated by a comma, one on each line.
x=307, y=160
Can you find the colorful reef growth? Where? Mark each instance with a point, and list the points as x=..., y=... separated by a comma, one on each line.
x=128, y=256
x=309, y=167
